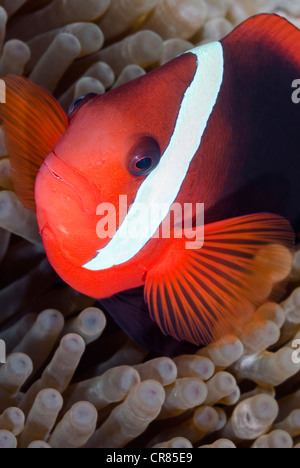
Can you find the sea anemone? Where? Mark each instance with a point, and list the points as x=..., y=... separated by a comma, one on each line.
x=72, y=378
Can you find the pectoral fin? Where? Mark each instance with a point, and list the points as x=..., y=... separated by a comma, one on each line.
x=200, y=295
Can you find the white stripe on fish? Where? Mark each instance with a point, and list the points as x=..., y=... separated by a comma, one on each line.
x=163, y=184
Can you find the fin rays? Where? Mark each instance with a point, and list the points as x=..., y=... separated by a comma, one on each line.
x=33, y=123
x=216, y=289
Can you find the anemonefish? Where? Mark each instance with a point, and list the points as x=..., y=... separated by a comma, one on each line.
x=215, y=126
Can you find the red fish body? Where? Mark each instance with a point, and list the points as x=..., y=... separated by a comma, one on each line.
x=215, y=126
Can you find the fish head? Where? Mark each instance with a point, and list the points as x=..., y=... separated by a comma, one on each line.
x=112, y=145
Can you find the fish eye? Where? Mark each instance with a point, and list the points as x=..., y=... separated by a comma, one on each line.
x=78, y=102
x=146, y=159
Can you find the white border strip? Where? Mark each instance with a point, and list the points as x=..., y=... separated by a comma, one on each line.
x=163, y=184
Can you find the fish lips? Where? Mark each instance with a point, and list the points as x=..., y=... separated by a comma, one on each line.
x=66, y=208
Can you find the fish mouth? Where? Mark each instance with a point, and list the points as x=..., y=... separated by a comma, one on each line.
x=66, y=207
x=53, y=193
x=63, y=197
x=62, y=172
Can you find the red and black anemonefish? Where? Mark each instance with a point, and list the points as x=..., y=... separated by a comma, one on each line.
x=217, y=126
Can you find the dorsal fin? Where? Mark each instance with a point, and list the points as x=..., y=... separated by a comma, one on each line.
x=271, y=31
